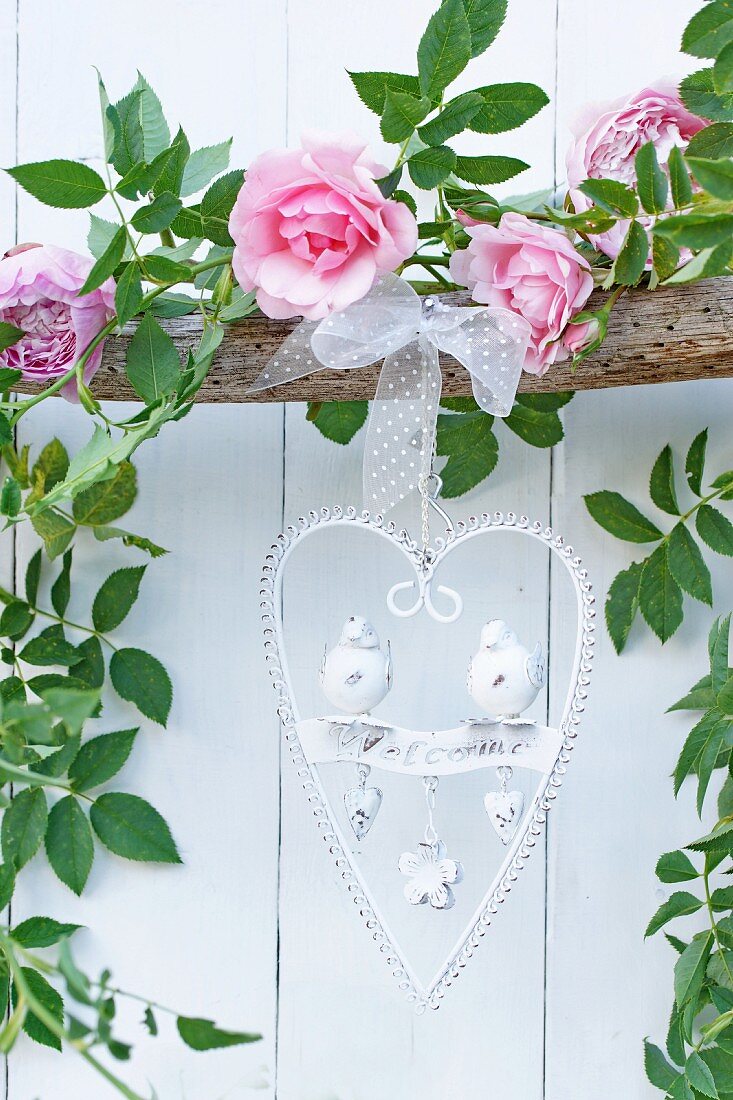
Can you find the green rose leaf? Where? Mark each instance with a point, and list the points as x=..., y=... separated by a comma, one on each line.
x=32, y=578
x=107, y=501
x=61, y=588
x=141, y=679
x=630, y=264
x=444, y=49
x=90, y=669
x=700, y=697
x=216, y=206
x=715, y=529
x=116, y=597
x=203, y=165
x=100, y=758
x=651, y=180
x=15, y=620
x=339, y=421
x=42, y=932
x=679, y=178
x=716, y=176
x=723, y=71
x=713, y=142
x=23, y=826
x=10, y=335
x=539, y=429
x=10, y=497
x=485, y=20
x=129, y=294
x=696, y=230
x=697, y=92
x=488, y=170
x=452, y=120
x=153, y=367
x=700, y=1077
x=60, y=183
x=695, y=462
x=130, y=827
x=689, y=971
x=50, y=648
x=658, y=1070
x=372, y=87
x=506, y=106
x=709, y=30
x=205, y=1035
x=679, y=904
x=622, y=604
x=55, y=530
x=402, y=112
x=50, y=999
x=613, y=196
x=676, y=867
x=7, y=884
x=697, y=739
x=107, y=262
x=431, y=166
x=467, y=439
x=660, y=596
x=69, y=844
x=171, y=177
x=687, y=565
x=158, y=214
x=620, y=518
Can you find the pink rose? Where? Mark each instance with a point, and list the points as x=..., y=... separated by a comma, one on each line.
x=39, y=288
x=608, y=137
x=312, y=230
x=532, y=270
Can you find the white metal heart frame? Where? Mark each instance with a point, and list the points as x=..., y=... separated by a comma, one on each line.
x=520, y=848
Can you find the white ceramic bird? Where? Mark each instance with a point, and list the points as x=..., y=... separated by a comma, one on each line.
x=355, y=674
x=504, y=678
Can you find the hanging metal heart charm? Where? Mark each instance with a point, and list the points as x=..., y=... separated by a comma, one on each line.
x=505, y=812
x=362, y=806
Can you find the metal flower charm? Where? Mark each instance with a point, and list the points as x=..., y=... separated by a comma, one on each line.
x=431, y=875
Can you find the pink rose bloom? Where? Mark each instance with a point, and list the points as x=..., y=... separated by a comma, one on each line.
x=312, y=230
x=532, y=270
x=39, y=286
x=608, y=137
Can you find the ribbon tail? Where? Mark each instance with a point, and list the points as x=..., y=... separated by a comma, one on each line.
x=492, y=346
x=293, y=359
x=400, y=434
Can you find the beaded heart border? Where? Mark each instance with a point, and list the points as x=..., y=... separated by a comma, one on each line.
x=422, y=997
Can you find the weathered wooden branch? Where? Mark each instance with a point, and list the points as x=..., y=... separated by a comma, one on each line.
x=674, y=334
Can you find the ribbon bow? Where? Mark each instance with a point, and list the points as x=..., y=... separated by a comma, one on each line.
x=393, y=323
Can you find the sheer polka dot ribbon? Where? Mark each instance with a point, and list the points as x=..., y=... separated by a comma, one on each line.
x=394, y=324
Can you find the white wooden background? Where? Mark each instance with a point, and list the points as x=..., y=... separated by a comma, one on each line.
x=254, y=929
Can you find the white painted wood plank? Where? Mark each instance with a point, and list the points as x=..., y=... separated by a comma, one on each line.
x=616, y=813
x=203, y=937
x=8, y=67
x=338, y=1003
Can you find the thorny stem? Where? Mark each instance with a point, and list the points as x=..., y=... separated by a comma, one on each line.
x=713, y=922
x=49, y=1020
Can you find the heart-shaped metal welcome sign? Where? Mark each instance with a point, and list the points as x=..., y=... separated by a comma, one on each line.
x=504, y=743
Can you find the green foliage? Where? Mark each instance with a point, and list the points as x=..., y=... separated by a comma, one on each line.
x=338, y=421
x=205, y=1035
x=655, y=586
x=61, y=183
x=130, y=827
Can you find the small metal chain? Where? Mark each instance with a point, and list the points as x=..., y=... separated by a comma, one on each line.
x=430, y=783
x=426, y=473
